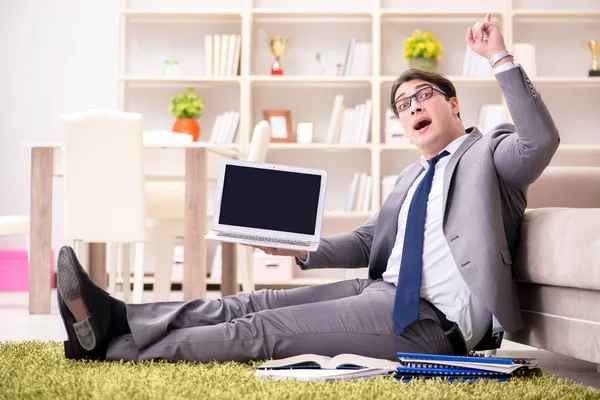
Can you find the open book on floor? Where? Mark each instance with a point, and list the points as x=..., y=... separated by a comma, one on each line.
x=312, y=374
x=508, y=366
x=341, y=361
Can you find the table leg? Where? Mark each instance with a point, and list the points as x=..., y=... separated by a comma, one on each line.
x=40, y=269
x=97, y=266
x=229, y=281
x=194, y=263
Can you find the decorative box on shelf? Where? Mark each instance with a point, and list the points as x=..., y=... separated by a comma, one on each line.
x=269, y=268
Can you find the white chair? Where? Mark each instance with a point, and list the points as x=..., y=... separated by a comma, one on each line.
x=15, y=225
x=104, y=185
x=172, y=193
x=261, y=136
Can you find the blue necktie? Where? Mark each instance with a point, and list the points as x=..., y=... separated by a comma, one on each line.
x=408, y=290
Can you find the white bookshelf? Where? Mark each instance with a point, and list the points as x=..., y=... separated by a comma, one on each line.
x=151, y=31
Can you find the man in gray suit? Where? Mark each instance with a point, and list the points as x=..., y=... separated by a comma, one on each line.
x=439, y=251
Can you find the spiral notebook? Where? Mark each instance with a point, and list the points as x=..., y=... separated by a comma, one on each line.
x=487, y=364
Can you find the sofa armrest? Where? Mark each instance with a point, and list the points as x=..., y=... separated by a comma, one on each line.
x=560, y=247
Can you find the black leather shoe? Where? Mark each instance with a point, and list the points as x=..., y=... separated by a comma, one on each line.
x=88, y=339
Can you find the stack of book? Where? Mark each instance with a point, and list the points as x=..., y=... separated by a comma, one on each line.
x=462, y=368
x=312, y=367
x=358, y=58
x=359, y=198
x=222, y=54
x=225, y=128
x=349, y=125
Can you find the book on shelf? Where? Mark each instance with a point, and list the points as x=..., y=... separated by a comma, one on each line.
x=222, y=54
x=225, y=128
x=341, y=361
x=349, y=125
x=358, y=58
x=359, y=198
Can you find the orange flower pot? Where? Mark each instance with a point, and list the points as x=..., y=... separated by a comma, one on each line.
x=187, y=125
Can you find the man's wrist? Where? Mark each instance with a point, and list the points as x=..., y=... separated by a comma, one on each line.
x=507, y=59
x=496, y=55
x=303, y=257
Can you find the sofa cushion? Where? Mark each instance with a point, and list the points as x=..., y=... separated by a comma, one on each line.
x=561, y=247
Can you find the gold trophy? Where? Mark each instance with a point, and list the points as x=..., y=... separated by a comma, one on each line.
x=278, y=45
x=594, y=47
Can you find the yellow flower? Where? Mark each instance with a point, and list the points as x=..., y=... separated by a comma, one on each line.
x=422, y=45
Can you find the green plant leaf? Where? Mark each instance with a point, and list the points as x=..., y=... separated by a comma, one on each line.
x=186, y=105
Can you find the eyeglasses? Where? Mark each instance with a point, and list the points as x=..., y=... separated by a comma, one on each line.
x=423, y=94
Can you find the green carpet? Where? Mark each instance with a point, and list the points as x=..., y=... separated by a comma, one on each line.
x=35, y=370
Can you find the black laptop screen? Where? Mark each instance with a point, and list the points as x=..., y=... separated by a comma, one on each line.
x=268, y=199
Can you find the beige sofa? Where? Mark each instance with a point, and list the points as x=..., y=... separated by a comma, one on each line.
x=557, y=268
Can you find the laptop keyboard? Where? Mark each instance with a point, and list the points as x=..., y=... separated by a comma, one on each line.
x=264, y=239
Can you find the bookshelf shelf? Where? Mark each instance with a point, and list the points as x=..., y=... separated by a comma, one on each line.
x=557, y=14
x=166, y=15
x=300, y=79
x=311, y=13
x=319, y=146
x=309, y=89
x=454, y=78
x=226, y=80
x=428, y=13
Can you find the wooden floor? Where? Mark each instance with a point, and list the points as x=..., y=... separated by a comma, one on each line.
x=18, y=325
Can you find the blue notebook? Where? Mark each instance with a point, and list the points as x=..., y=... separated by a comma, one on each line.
x=447, y=371
x=469, y=359
x=449, y=379
x=491, y=364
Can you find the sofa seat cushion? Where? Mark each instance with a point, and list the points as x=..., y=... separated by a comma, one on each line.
x=560, y=247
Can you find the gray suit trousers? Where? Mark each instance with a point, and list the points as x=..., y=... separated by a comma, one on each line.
x=353, y=316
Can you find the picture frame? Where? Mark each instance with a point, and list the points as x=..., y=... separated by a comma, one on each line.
x=281, y=125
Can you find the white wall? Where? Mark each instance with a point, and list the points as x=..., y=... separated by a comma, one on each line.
x=57, y=56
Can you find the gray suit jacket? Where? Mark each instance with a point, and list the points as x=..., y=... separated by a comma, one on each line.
x=485, y=196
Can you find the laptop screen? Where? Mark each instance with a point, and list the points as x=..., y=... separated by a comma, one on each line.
x=268, y=199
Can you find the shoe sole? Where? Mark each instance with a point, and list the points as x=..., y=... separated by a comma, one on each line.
x=70, y=285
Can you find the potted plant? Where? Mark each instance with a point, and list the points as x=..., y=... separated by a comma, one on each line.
x=422, y=50
x=187, y=107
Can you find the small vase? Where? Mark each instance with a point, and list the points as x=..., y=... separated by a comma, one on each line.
x=424, y=64
x=187, y=125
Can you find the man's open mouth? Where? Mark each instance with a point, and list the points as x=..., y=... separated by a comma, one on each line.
x=421, y=124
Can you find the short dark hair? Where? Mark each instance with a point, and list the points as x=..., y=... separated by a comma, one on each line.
x=438, y=80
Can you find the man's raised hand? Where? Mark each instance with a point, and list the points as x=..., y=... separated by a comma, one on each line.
x=485, y=38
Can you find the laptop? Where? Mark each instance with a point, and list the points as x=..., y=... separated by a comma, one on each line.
x=270, y=205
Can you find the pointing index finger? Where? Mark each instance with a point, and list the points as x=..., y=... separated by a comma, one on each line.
x=487, y=17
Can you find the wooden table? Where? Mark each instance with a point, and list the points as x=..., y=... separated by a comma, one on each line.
x=183, y=162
